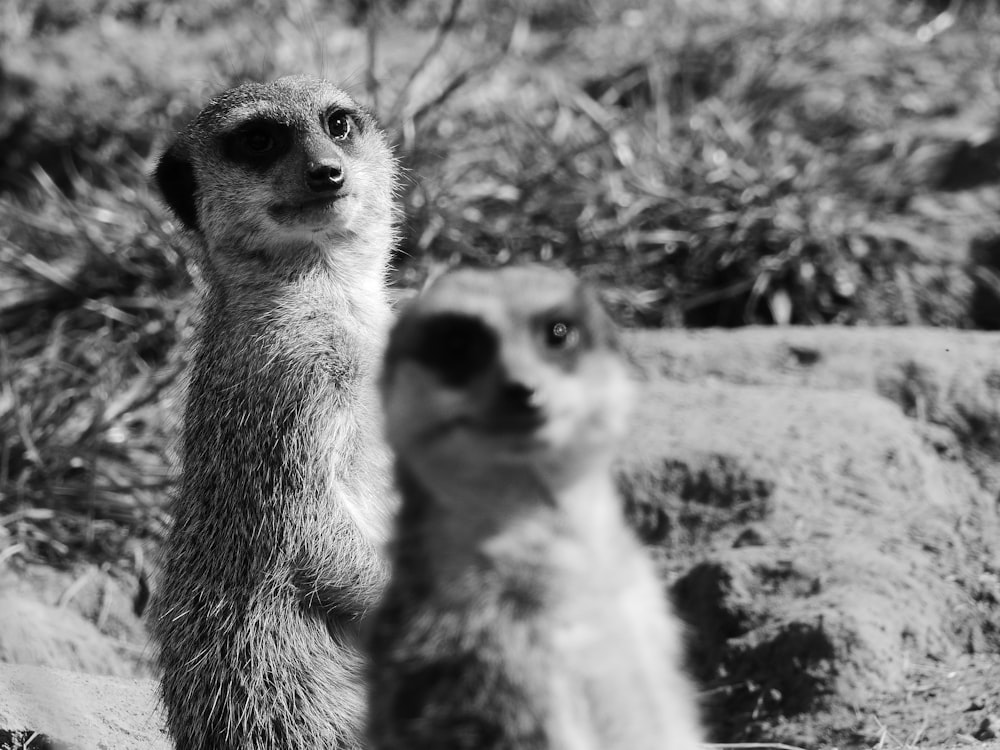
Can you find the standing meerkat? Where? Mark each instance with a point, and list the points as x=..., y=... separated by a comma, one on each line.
x=522, y=612
x=286, y=190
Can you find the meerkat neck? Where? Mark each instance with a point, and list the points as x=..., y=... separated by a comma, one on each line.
x=350, y=270
x=306, y=303
x=470, y=515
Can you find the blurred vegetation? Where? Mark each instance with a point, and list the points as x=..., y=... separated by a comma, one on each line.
x=707, y=163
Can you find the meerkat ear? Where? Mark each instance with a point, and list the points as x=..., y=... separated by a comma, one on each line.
x=174, y=176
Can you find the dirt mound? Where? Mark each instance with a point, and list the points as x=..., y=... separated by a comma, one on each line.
x=35, y=633
x=941, y=378
x=78, y=711
x=84, y=619
x=824, y=504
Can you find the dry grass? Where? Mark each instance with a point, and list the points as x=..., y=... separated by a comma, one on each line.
x=89, y=317
x=727, y=171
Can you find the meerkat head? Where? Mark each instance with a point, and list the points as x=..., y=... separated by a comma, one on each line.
x=490, y=369
x=270, y=175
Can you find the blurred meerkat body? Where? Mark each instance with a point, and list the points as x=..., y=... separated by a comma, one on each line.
x=286, y=190
x=522, y=613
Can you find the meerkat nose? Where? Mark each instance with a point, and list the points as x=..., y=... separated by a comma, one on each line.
x=324, y=176
x=518, y=398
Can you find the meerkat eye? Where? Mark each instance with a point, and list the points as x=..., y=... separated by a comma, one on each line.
x=256, y=141
x=257, y=144
x=562, y=335
x=340, y=125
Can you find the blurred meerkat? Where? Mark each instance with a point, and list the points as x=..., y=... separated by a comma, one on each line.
x=522, y=613
x=286, y=190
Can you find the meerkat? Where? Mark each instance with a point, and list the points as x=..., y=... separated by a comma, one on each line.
x=522, y=612
x=286, y=190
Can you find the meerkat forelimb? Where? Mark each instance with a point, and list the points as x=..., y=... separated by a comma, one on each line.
x=285, y=190
x=522, y=613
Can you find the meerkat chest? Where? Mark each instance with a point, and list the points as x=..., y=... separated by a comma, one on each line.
x=357, y=467
x=609, y=653
x=597, y=599
x=587, y=626
x=570, y=576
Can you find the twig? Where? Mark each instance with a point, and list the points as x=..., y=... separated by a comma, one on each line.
x=443, y=30
x=10, y=551
x=988, y=278
x=20, y=420
x=907, y=296
x=596, y=112
x=144, y=390
x=27, y=514
x=74, y=588
x=47, y=272
x=459, y=80
x=751, y=745
x=919, y=733
x=733, y=290
x=886, y=734
x=106, y=595
x=73, y=212
x=160, y=381
x=371, y=53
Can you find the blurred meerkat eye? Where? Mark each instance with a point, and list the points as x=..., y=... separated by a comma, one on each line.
x=561, y=335
x=340, y=125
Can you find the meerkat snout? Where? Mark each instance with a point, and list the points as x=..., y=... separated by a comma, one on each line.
x=517, y=400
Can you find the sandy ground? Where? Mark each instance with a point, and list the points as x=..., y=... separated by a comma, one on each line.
x=81, y=711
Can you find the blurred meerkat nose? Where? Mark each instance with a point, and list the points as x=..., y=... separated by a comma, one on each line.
x=518, y=397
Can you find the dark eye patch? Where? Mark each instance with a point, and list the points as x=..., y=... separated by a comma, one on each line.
x=456, y=347
x=258, y=143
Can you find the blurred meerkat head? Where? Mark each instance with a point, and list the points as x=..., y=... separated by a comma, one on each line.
x=492, y=369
